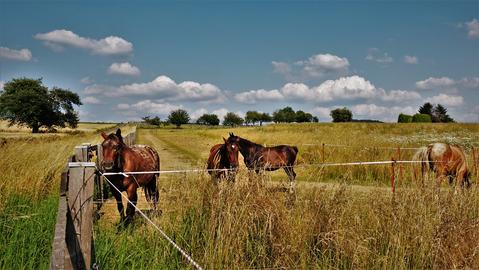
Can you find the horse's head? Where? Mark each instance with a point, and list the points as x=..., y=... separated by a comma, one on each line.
x=232, y=149
x=112, y=147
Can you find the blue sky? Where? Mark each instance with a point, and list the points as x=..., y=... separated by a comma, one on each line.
x=128, y=60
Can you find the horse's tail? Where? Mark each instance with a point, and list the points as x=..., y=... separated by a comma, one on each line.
x=151, y=189
x=421, y=155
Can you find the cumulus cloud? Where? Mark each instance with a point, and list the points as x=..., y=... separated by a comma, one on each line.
x=316, y=66
x=344, y=88
x=435, y=82
x=472, y=28
x=409, y=59
x=105, y=46
x=165, y=88
x=375, y=55
x=383, y=113
x=91, y=100
x=400, y=95
x=447, y=100
x=123, y=69
x=251, y=97
x=17, y=55
x=470, y=82
x=147, y=106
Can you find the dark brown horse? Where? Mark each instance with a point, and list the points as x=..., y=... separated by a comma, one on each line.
x=446, y=161
x=258, y=157
x=223, y=156
x=119, y=157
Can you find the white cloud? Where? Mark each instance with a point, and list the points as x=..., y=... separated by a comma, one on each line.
x=378, y=112
x=316, y=66
x=375, y=55
x=434, y=82
x=446, y=100
x=281, y=67
x=198, y=113
x=91, y=100
x=167, y=89
x=400, y=95
x=18, y=55
x=123, y=69
x=408, y=59
x=470, y=82
x=106, y=46
x=87, y=80
x=319, y=64
x=148, y=106
x=221, y=113
x=473, y=28
x=345, y=88
x=253, y=96
x=352, y=87
x=2, y=83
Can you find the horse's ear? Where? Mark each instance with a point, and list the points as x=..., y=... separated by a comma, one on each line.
x=104, y=135
x=224, y=139
x=118, y=133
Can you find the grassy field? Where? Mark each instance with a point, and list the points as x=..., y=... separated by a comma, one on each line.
x=339, y=217
x=344, y=218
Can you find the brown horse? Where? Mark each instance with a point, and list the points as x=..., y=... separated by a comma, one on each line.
x=446, y=161
x=119, y=157
x=223, y=156
x=258, y=157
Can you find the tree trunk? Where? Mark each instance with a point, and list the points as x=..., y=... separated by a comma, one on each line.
x=35, y=129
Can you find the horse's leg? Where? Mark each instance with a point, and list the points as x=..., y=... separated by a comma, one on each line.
x=130, y=209
x=292, y=176
x=119, y=204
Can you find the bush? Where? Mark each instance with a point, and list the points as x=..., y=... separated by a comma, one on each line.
x=232, y=119
x=404, y=118
x=421, y=118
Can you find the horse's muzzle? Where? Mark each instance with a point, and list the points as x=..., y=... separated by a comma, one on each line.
x=107, y=166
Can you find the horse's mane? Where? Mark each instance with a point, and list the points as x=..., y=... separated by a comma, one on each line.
x=249, y=143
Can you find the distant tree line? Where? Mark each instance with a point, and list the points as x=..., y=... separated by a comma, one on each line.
x=427, y=113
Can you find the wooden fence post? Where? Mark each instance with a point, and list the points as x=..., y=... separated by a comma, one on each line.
x=474, y=163
x=80, y=196
x=393, y=172
x=401, y=174
x=322, y=153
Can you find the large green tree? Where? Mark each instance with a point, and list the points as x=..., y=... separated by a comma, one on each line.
x=232, y=119
x=208, y=119
x=439, y=114
x=341, y=115
x=284, y=115
x=179, y=117
x=28, y=102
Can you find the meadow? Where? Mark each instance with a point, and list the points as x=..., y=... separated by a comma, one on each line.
x=339, y=217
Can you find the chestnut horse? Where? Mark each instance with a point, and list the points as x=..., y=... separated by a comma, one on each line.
x=223, y=156
x=446, y=161
x=119, y=157
x=258, y=157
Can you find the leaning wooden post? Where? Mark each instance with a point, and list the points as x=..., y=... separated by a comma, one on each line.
x=322, y=153
x=474, y=162
x=393, y=172
x=401, y=175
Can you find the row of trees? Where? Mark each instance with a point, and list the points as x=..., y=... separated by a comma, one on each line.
x=427, y=113
x=284, y=115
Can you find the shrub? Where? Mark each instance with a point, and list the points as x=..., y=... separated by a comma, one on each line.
x=404, y=118
x=421, y=118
